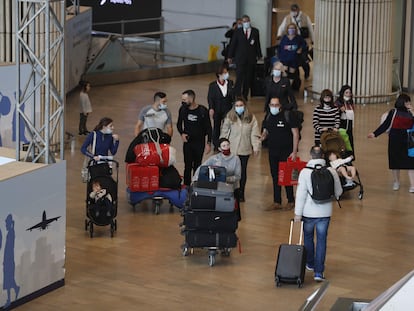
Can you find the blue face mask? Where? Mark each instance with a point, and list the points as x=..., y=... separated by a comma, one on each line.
x=225, y=76
x=239, y=110
x=291, y=32
x=162, y=106
x=274, y=110
x=246, y=25
x=276, y=73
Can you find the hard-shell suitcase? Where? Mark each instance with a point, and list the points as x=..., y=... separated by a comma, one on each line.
x=210, y=239
x=220, y=199
x=211, y=220
x=291, y=261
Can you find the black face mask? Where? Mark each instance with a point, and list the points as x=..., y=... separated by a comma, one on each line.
x=185, y=104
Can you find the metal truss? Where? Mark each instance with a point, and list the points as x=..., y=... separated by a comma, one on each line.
x=74, y=8
x=40, y=43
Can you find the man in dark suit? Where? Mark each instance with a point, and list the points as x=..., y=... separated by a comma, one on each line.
x=245, y=50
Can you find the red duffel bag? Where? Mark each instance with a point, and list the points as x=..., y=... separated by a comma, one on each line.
x=154, y=154
x=289, y=172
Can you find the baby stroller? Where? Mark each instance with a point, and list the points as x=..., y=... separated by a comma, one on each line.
x=102, y=211
x=338, y=142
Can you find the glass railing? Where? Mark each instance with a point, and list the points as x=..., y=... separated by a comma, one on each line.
x=112, y=52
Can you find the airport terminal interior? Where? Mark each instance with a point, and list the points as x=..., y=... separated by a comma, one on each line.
x=142, y=266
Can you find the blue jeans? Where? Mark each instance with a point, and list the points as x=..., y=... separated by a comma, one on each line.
x=315, y=256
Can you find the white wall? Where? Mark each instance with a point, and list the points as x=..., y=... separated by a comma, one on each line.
x=260, y=13
x=77, y=42
x=178, y=14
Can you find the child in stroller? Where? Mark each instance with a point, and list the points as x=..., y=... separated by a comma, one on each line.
x=102, y=195
x=332, y=142
x=103, y=199
x=343, y=167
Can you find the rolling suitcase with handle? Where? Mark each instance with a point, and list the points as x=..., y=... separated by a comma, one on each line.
x=291, y=261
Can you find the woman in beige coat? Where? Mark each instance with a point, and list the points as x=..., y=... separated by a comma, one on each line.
x=241, y=128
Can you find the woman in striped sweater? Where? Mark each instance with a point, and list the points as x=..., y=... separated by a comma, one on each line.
x=325, y=116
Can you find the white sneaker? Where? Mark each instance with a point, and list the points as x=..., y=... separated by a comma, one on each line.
x=411, y=190
x=396, y=186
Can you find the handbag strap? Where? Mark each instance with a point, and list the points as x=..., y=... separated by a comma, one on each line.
x=157, y=145
x=94, y=143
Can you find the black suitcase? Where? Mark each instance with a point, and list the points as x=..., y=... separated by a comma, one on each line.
x=210, y=239
x=291, y=261
x=211, y=221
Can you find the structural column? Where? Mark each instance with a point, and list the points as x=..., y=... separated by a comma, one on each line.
x=353, y=46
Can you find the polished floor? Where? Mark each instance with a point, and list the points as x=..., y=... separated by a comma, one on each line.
x=370, y=242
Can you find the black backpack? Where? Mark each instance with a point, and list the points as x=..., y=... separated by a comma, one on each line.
x=323, y=185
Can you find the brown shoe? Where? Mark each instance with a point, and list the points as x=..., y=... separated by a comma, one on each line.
x=290, y=206
x=274, y=206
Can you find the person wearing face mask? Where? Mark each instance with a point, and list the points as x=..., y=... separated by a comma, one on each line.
x=325, y=116
x=226, y=159
x=220, y=99
x=304, y=29
x=278, y=85
x=231, y=162
x=106, y=141
x=283, y=140
x=194, y=126
x=346, y=106
x=229, y=34
x=241, y=128
x=245, y=51
x=290, y=49
x=156, y=115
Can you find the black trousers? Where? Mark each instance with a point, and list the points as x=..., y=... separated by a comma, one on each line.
x=193, y=155
x=243, y=160
x=274, y=170
x=217, y=120
x=244, y=79
x=82, y=123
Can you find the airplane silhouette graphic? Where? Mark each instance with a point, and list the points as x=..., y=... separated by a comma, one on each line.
x=44, y=223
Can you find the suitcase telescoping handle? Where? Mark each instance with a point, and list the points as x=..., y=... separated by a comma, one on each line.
x=292, y=222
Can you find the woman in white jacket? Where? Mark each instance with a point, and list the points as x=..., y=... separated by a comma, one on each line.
x=241, y=128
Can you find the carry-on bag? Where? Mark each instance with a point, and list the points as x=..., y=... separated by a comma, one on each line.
x=210, y=239
x=220, y=199
x=211, y=220
x=291, y=261
x=289, y=171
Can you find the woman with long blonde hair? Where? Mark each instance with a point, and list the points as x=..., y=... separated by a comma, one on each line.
x=241, y=128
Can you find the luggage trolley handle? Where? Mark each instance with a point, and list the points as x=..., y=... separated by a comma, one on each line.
x=292, y=221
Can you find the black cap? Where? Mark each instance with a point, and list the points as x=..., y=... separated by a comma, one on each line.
x=294, y=7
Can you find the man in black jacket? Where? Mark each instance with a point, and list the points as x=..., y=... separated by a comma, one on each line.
x=244, y=51
x=194, y=126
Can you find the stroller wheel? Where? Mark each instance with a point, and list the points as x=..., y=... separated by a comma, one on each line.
x=86, y=225
x=115, y=225
x=112, y=230
x=91, y=230
x=360, y=195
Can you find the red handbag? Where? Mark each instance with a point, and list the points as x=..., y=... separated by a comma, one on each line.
x=289, y=172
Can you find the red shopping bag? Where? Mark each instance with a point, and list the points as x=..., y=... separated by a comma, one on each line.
x=289, y=172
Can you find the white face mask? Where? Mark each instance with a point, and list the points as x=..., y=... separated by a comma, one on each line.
x=162, y=106
x=225, y=76
x=347, y=98
x=274, y=110
x=106, y=130
x=276, y=73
